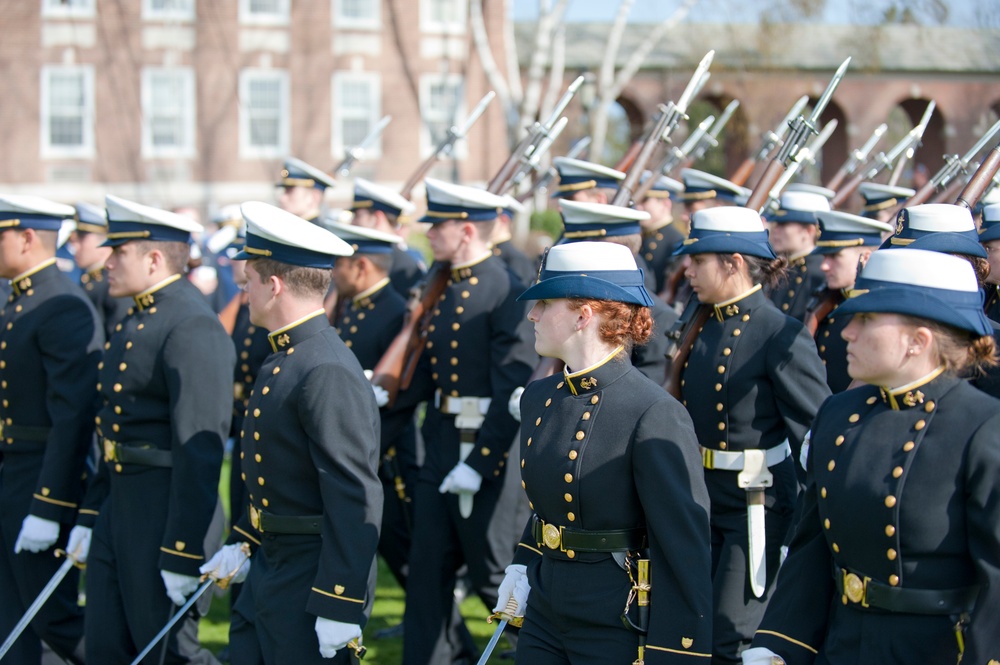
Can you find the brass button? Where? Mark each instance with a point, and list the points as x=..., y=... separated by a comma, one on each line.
x=718, y=387
x=528, y=442
x=256, y=413
x=894, y=580
x=568, y=477
x=890, y=501
x=573, y=454
x=919, y=425
x=836, y=547
x=260, y=480
x=891, y=554
x=871, y=400
x=538, y=421
x=570, y=554
x=722, y=445
x=897, y=472
x=594, y=399
x=722, y=369
x=560, y=385
x=454, y=361
x=265, y=390
x=719, y=406
x=822, y=492
x=929, y=406
x=548, y=402
x=908, y=446
x=522, y=464
x=571, y=517
x=839, y=440
x=736, y=333
x=826, y=523
x=722, y=427
x=568, y=497
x=890, y=530
x=585, y=416
x=485, y=452
x=579, y=436
x=854, y=418
x=726, y=351
x=257, y=457
x=831, y=465
x=118, y=387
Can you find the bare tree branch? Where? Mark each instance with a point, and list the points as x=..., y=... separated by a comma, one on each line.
x=635, y=61
x=482, y=44
x=556, y=72
x=547, y=22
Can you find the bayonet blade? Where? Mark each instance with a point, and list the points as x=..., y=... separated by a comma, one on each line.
x=697, y=80
x=460, y=132
x=827, y=94
x=980, y=144
x=861, y=154
x=692, y=141
x=723, y=120
x=578, y=148
x=374, y=134
x=563, y=102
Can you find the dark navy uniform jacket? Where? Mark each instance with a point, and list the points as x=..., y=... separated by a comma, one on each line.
x=992, y=304
x=252, y=348
x=166, y=384
x=310, y=448
x=405, y=272
x=658, y=247
x=608, y=449
x=111, y=310
x=903, y=491
x=792, y=296
x=832, y=347
x=517, y=261
x=50, y=346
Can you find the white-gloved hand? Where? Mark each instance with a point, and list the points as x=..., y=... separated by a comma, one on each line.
x=515, y=585
x=78, y=544
x=179, y=587
x=761, y=656
x=227, y=560
x=463, y=479
x=37, y=534
x=334, y=635
x=804, y=451
x=514, y=403
x=381, y=395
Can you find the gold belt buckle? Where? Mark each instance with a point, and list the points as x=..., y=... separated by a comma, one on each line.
x=110, y=451
x=255, y=518
x=708, y=458
x=856, y=589
x=552, y=536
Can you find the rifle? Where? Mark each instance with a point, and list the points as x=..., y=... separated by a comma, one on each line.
x=357, y=153
x=858, y=157
x=444, y=148
x=576, y=151
x=673, y=157
x=769, y=141
x=981, y=180
x=711, y=140
x=799, y=128
x=882, y=160
x=806, y=154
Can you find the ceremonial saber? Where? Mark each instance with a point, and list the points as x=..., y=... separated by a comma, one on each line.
x=40, y=600
x=506, y=617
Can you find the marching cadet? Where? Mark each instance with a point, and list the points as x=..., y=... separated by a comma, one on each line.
x=91, y=229
x=880, y=200
x=309, y=459
x=469, y=507
x=580, y=180
x=165, y=385
x=380, y=208
x=989, y=236
x=845, y=241
x=502, y=241
x=752, y=383
x=636, y=491
x=302, y=189
x=792, y=233
x=660, y=235
x=895, y=557
x=50, y=345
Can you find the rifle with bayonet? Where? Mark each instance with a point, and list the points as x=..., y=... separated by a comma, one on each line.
x=444, y=148
x=858, y=158
x=576, y=151
x=806, y=154
x=357, y=153
x=796, y=135
x=883, y=160
x=769, y=141
x=710, y=140
x=673, y=157
x=982, y=180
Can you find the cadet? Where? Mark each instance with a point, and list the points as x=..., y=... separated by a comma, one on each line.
x=380, y=208
x=50, y=345
x=469, y=505
x=660, y=235
x=165, y=388
x=793, y=231
x=90, y=231
x=302, y=189
x=310, y=452
x=845, y=241
x=894, y=559
x=517, y=261
x=752, y=384
x=989, y=236
x=880, y=200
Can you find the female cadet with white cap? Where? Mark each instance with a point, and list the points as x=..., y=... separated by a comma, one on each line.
x=752, y=383
x=896, y=557
x=610, y=464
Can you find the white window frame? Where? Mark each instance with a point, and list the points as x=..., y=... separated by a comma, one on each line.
x=449, y=116
x=86, y=149
x=248, y=151
x=373, y=22
x=187, y=107
x=280, y=17
x=430, y=24
x=338, y=114
x=150, y=13
x=59, y=9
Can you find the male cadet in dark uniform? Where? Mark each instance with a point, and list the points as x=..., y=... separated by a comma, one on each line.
x=792, y=233
x=50, y=345
x=989, y=236
x=880, y=200
x=845, y=240
x=379, y=208
x=310, y=457
x=165, y=384
x=469, y=505
x=502, y=241
x=302, y=189
x=660, y=236
x=90, y=231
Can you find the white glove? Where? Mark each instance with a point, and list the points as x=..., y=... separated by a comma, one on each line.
x=804, y=451
x=179, y=587
x=514, y=403
x=381, y=395
x=334, y=635
x=463, y=479
x=515, y=585
x=36, y=535
x=225, y=562
x=79, y=543
x=761, y=656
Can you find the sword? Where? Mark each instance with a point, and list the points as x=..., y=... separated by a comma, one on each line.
x=356, y=153
x=206, y=584
x=505, y=617
x=39, y=601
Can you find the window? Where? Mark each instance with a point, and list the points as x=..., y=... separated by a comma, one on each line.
x=356, y=14
x=168, y=10
x=67, y=122
x=356, y=110
x=443, y=16
x=441, y=105
x=68, y=8
x=168, y=112
x=264, y=113
x=264, y=12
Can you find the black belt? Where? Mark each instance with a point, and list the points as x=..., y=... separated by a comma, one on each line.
x=25, y=432
x=562, y=539
x=287, y=524
x=144, y=454
x=862, y=590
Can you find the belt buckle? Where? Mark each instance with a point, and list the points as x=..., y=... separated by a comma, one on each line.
x=856, y=588
x=708, y=458
x=110, y=451
x=552, y=537
x=255, y=518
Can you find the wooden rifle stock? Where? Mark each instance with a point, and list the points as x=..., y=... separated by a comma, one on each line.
x=625, y=163
x=395, y=369
x=743, y=172
x=688, y=328
x=949, y=193
x=623, y=197
x=838, y=179
x=407, y=191
x=500, y=181
x=980, y=180
x=845, y=192
x=767, y=181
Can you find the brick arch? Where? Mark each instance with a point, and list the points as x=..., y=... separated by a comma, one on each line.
x=836, y=149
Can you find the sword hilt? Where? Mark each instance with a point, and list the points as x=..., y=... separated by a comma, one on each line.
x=507, y=614
x=359, y=649
x=71, y=557
x=223, y=582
